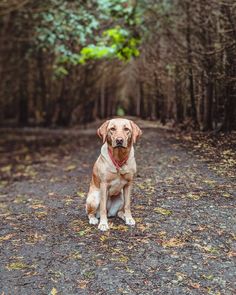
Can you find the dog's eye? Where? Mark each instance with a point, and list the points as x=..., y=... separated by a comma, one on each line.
x=113, y=129
x=126, y=129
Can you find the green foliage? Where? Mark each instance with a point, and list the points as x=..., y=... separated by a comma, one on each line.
x=120, y=111
x=72, y=31
x=170, y=68
x=64, y=25
x=95, y=52
x=114, y=43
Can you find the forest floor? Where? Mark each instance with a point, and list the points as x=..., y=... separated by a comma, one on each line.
x=184, y=241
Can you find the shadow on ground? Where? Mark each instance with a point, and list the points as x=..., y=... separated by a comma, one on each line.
x=183, y=203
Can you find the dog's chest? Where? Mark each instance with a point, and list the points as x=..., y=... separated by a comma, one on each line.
x=116, y=184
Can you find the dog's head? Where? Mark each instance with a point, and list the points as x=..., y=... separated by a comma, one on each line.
x=119, y=133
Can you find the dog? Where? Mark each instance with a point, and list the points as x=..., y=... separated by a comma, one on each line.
x=113, y=173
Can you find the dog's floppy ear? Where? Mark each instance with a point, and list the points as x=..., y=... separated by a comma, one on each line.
x=102, y=131
x=136, y=131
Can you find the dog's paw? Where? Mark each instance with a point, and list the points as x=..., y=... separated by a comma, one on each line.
x=121, y=215
x=103, y=226
x=129, y=221
x=93, y=220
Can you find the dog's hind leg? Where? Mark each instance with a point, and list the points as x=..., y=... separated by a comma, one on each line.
x=92, y=204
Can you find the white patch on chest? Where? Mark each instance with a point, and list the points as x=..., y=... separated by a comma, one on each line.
x=116, y=185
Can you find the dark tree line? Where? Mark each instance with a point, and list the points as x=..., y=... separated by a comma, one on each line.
x=185, y=73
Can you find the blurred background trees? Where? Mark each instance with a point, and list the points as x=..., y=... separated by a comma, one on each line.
x=71, y=62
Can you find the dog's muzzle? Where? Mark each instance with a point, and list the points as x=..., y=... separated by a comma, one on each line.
x=119, y=142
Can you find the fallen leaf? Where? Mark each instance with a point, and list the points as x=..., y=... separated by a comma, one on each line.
x=129, y=270
x=20, y=199
x=226, y=195
x=34, y=238
x=70, y=168
x=195, y=285
x=209, y=181
x=173, y=242
x=122, y=259
x=53, y=291
x=6, y=238
x=193, y=196
x=231, y=254
x=75, y=255
x=163, y=211
x=120, y=227
x=18, y=265
x=6, y=169
x=40, y=214
x=81, y=194
x=68, y=201
x=38, y=206
x=143, y=227
x=83, y=284
x=208, y=277
x=103, y=238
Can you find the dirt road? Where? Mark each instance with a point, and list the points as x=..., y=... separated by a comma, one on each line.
x=183, y=202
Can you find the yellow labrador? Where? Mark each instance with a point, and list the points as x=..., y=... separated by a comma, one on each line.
x=113, y=172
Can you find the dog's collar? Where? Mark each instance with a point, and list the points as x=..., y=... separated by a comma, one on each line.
x=117, y=164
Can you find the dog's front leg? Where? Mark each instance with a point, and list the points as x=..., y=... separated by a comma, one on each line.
x=103, y=225
x=127, y=211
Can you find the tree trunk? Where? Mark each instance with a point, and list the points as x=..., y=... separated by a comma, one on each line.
x=42, y=107
x=142, y=101
x=230, y=100
x=208, y=106
x=23, y=118
x=190, y=70
x=178, y=97
x=158, y=96
x=102, y=98
x=138, y=100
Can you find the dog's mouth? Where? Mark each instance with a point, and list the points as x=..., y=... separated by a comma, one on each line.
x=119, y=146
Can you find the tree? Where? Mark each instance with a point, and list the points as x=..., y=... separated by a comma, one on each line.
x=65, y=62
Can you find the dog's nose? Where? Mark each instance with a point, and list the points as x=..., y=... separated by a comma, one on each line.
x=119, y=141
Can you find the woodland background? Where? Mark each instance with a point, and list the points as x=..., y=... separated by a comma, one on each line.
x=71, y=62
x=65, y=66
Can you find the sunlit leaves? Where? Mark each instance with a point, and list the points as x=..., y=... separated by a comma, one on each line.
x=95, y=52
x=114, y=43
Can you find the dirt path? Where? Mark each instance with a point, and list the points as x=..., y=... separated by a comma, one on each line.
x=184, y=206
